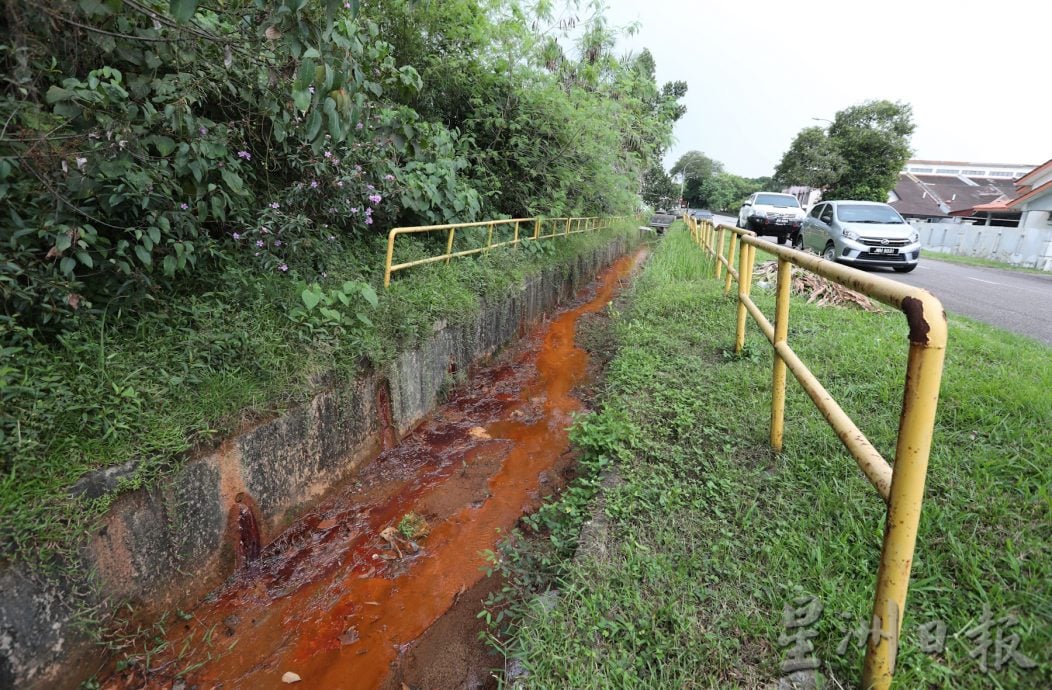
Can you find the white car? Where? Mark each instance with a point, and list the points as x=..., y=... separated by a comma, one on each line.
x=767, y=213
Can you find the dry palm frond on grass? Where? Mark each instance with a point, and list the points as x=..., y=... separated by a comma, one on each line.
x=817, y=289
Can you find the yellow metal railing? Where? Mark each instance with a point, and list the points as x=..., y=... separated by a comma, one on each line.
x=536, y=229
x=901, y=485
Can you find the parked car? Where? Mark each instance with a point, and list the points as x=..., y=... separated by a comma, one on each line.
x=767, y=213
x=862, y=233
x=661, y=220
x=701, y=214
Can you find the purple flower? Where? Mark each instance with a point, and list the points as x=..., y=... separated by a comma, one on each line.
x=236, y=235
x=259, y=243
x=346, y=5
x=313, y=184
x=339, y=183
x=274, y=204
x=369, y=211
x=375, y=198
x=184, y=206
x=257, y=253
x=335, y=161
x=310, y=89
x=358, y=168
x=332, y=237
x=277, y=243
x=244, y=154
x=203, y=131
x=283, y=267
x=328, y=154
x=359, y=126
x=368, y=220
x=389, y=178
x=370, y=188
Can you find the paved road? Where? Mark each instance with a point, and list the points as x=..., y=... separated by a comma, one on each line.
x=1016, y=301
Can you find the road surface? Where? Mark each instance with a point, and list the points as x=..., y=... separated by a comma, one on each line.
x=1012, y=300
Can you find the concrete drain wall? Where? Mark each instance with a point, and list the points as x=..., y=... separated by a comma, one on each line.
x=167, y=547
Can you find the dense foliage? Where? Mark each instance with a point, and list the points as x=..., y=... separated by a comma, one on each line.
x=186, y=189
x=860, y=155
x=139, y=149
x=695, y=168
x=659, y=190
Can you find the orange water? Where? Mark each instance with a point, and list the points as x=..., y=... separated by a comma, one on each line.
x=322, y=602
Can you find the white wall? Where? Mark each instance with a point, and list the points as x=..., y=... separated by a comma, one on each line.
x=1029, y=246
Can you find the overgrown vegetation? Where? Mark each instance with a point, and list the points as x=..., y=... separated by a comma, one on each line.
x=194, y=198
x=701, y=536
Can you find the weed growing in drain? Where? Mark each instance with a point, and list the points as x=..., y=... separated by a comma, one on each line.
x=682, y=575
x=413, y=527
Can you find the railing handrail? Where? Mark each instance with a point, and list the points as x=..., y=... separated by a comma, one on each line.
x=902, y=484
x=581, y=223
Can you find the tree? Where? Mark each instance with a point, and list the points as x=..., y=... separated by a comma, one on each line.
x=696, y=168
x=859, y=157
x=726, y=191
x=812, y=160
x=873, y=139
x=659, y=190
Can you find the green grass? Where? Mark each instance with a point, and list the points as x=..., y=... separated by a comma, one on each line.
x=152, y=386
x=709, y=535
x=978, y=261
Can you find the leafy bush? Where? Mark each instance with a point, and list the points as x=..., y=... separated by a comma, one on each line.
x=193, y=201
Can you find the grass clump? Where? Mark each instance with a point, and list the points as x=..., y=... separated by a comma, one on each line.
x=705, y=535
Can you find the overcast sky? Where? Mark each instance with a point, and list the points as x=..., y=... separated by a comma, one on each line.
x=978, y=74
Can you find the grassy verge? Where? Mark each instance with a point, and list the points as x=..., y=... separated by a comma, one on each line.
x=978, y=261
x=185, y=373
x=703, y=536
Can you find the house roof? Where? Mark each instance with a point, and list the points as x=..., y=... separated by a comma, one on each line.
x=1047, y=187
x=969, y=163
x=1036, y=171
x=913, y=200
x=961, y=194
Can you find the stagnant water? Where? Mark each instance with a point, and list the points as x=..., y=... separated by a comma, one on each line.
x=332, y=600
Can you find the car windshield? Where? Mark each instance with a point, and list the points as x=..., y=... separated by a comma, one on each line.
x=864, y=213
x=778, y=200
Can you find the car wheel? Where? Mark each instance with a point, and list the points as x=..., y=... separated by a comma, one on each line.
x=905, y=269
x=798, y=241
x=829, y=253
x=782, y=239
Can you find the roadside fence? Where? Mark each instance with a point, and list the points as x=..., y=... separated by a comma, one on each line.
x=497, y=233
x=901, y=484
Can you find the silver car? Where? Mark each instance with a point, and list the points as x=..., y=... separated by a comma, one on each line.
x=861, y=233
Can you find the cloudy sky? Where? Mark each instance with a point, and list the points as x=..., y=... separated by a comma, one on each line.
x=978, y=74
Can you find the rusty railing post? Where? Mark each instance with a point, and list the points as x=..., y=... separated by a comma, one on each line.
x=781, y=333
x=449, y=244
x=390, y=256
x=916, y=426
x=744, y=283
x=730, y=262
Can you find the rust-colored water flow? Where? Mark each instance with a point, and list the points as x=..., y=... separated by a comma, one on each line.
x=333, y=602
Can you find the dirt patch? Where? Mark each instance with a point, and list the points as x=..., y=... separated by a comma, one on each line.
x=450, y=654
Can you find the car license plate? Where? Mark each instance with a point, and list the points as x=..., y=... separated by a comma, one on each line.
x=884, y=250
x=781, y=221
